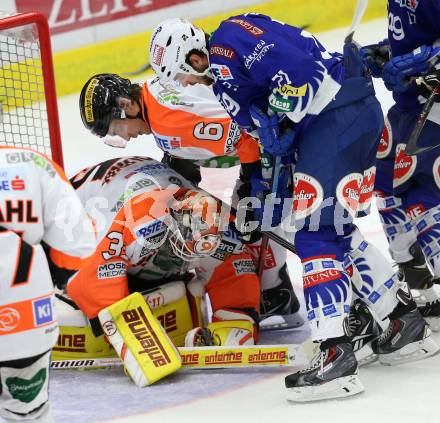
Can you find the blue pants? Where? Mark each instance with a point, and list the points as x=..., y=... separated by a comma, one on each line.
x=416, y=179
x=334, y=174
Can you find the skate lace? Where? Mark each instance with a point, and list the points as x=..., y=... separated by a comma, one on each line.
x=387, y=334
x=353, y=324
x=316, y=362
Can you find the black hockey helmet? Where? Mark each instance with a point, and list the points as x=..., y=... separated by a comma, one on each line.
x=97, y=101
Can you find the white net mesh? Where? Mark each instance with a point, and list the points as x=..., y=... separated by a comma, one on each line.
x=23, y=114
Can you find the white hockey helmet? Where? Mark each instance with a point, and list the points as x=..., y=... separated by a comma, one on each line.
x=195, y=224
x=170, y=43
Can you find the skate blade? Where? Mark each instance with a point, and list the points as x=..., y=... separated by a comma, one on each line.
x=434, y=323
x=288, y=321
x=338, y=388
x=366, y=356
x=415, y=351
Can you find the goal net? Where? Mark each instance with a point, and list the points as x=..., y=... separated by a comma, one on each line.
x=28, y=107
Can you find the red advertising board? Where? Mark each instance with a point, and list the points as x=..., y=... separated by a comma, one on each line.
x=66, y=15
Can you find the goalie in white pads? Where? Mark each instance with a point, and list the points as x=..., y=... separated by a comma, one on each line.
x=36, y=203
x=159, y=235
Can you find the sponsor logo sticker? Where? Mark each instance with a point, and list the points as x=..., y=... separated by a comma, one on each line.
x=157, y=54
x=404, y=166
x=248, y=27
x=259, y=52
x=243, y=266
x=348, y=192
x=88, y=97
x=43, y=311
x=221, y=72
x=112, y=269
x=290, y=91
x=386, y=141
x=436, y=171
x=408, y=4
x=222, y=51
x=307, y=195
x=9, y=319
x=367, y=188
x=165, y=142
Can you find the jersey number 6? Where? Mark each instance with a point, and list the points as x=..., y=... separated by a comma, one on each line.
x=208, y=131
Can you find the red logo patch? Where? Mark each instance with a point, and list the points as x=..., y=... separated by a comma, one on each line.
x=222, y=51
x=404, y=166
x=321, y=277
x=247, y=26
x=436, y=171
x=157, y=54
x=415, y=211
x=307, y=195
x=367, y=188
x=386, y=141
x=348, y=192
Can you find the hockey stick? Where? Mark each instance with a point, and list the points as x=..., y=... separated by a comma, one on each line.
x=361, y=7
x=273, y=193
x=214, y=357
x=412, y=148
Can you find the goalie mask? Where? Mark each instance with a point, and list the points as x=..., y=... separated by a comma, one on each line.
x=170, y=43
x=98, y=101
x=195, y=224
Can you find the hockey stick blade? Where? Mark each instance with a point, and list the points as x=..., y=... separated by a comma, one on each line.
x=361, y=7
x=412, y=148
x=142, y=69
x=213, y=358
x=290, y=321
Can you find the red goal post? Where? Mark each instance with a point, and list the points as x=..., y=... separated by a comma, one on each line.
x=28, y=102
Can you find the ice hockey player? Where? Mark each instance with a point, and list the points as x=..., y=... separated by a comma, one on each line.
x=409, y=186
x=37, y=206
x=158, y=233
x=190, y=126
x=322, y=107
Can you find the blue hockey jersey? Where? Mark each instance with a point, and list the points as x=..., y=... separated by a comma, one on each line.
x=252, y=55
x=412, y=23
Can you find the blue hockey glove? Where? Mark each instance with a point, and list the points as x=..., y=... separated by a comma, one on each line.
x=269, y=133
x=261, y=187
x=397, y=72
x=375, y=56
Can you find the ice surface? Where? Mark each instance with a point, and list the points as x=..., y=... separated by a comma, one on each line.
x=393, y=394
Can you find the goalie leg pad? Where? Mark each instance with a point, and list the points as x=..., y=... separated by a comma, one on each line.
x=177, y=309
x=139, y=340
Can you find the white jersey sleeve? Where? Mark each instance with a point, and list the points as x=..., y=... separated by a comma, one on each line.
x=37, y=203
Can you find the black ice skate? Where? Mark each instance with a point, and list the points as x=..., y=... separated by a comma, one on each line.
x=333, y=374
x=363, y=329
x=415, y=272
x=430, y=310
x=420, y=280
x=280, y=301
x=407, y=338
